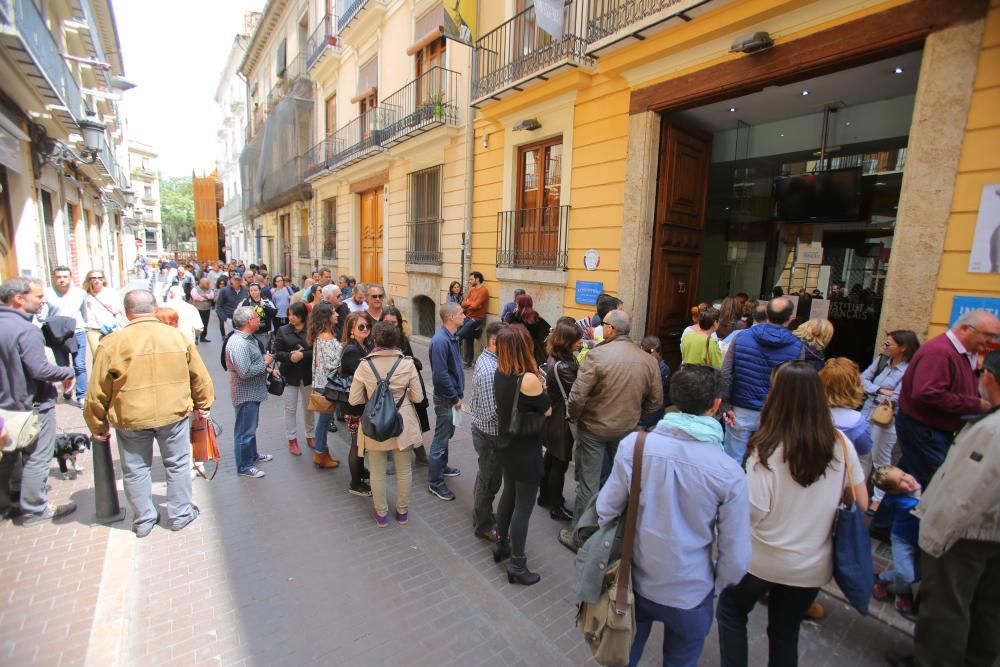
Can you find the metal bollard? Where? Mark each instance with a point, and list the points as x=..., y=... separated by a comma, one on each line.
x=109, y=510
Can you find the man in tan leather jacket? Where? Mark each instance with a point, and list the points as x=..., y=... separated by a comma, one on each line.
x=617, y=385
x=147, y=379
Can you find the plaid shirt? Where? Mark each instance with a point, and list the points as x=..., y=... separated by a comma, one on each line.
x=484, y=402
x=245, y=362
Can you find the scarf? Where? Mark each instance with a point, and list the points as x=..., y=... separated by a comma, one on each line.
x=706, y=429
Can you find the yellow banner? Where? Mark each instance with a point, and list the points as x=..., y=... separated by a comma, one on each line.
x=460, y=21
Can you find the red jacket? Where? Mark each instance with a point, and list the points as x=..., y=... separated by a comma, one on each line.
x=939, y=386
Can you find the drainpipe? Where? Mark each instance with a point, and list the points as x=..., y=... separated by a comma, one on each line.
x=470, y=151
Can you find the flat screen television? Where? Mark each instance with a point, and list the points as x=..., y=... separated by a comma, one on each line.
x=823, y=195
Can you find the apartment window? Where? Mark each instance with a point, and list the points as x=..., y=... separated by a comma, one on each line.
x=430, y=85
x=367, y=97
x=151, y=240
x=424, y=216
x=279, y=60
x=147, y=191
x=304, y=233
x=330, y=110
x=330, y=228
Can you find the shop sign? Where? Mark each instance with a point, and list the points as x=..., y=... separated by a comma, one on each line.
x=961, y=305
x=587, y=291
x=810, y=254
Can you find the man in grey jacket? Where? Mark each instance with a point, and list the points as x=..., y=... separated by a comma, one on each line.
x=26, y=379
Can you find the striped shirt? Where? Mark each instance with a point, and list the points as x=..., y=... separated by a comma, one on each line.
x=245, y=363
x=484, y=402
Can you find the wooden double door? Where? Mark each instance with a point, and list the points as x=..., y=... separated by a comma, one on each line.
x=679, y=232
x=371, y=236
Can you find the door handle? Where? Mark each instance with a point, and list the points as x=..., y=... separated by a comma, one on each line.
x=681, y=287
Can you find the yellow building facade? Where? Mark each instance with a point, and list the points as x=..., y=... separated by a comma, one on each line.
x=677, y=152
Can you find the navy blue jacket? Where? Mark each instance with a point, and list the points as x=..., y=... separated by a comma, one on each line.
x=228, y=299
x=446, y=366
x=755, y=354
x=26, y=376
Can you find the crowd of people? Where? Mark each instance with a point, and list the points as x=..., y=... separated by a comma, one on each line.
x=751, y=444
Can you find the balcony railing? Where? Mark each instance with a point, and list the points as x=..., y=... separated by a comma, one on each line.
x=293, y=70
x=349, y=12
x=519, y=50
x=609, y=17
x=33, y=37
x=426, y=102
x=358, y=139
x=304, y=247
x=323, y=37
x=533, y=238
x=423, y=242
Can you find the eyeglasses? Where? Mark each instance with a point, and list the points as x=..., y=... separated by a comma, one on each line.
x=994, y=336
x=889, y=344
x=362, y=327
x=97, y=277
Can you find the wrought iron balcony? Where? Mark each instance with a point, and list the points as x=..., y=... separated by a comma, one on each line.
x=518, y=51
x=426, y=102
x=533, y=238
x=609, y=21
x=323, y=38
x=358, y=139
x=36, y=55
x=423, y=244
x=286, y=81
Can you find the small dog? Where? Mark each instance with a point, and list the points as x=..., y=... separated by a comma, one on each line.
x=68, y=445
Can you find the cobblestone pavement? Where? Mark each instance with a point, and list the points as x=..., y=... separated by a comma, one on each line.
x=291, y=570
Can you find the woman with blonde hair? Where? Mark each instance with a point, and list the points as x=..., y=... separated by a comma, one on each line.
x=104, y=309
x=842, y=384
x=815, y=335
x=387, y=361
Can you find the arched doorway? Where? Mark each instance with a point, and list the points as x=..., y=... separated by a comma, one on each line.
x=424, y=318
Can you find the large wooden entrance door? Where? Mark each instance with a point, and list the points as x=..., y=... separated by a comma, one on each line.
x=679, y=232
x=371, y=236
x=286, y=244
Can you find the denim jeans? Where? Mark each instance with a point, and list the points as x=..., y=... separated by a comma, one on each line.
x=786, y=607
x=923, y=448
x=79, y=363
x=684, y=630
x=245, y=435
x=444, y=429
x=467, y=332
x=905, y=566
x=136, y=451
x=590, y=453
x=488, y=478
x=323, y=420
x=745, y=424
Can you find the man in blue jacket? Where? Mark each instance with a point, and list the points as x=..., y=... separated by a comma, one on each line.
x=449, y=383
x=228, y=298
x=746, y=372
x=26, y=383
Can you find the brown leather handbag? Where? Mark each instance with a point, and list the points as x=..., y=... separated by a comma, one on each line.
x=204, y=443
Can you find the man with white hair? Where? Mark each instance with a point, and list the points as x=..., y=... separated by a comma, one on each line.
x=939, y=389
x=247, y=364
x=332, y=294
x=188, y=317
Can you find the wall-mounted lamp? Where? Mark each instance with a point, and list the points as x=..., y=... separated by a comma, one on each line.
x=752, y=43
x=56, y=153
x=528, y=124
x=486, y=139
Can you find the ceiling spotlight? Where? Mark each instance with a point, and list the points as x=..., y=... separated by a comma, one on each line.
x=848, y=123
x=805, y=92
x=898, y=70
x=732, y=109
x=781, y=135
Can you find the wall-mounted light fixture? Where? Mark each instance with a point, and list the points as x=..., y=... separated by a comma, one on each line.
x=56, y=153
x=528, y=124
x=486, y=139
x=752, y=43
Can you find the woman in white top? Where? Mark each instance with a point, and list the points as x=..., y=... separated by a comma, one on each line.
x=795, y=480
x=327, y=352
x=104, y=309
x=881, y=382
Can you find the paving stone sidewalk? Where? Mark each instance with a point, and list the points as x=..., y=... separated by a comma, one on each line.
x=291, y=570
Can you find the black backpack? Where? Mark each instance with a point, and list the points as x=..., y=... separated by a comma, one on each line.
x=381, y=419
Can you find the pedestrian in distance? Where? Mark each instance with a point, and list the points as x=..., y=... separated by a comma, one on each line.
x=294, y=355
x=149, y=378
x=525, y=314
x=356, y=343
x=281, y=296
x=693, y=526
x=248, y=365
x=189, y=319
x=104, y=309
x=881, y=383
x=815, y=335
x=388, y=361
x=474, y=306
x=939, y=389
x=228, y=298
x=561, y=370
x=326, y=358
x=391, y=315
x=203, y=299
x=796, y=477
x=486, y=436
x=618, y=384
x=26, y=385
x=701, y=346
x=510, y=306
x=746, y=372
x=333, y=295
x=449, y=388
x=357, y=302
x=64, y=299
x=455, y=292
x=518, y=386
x=264, y=308
x=842, y=385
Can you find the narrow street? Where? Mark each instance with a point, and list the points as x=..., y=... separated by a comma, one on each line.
x=291, y=570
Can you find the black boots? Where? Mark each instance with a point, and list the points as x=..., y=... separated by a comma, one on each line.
x=501, y=549
x=518, y=572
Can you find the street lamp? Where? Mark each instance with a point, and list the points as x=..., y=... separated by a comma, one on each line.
x=57, y=153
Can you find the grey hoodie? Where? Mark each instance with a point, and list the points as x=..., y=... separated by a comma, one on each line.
x=26, y=376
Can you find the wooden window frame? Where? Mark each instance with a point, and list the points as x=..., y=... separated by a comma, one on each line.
x=519, y=183
x=329, y=228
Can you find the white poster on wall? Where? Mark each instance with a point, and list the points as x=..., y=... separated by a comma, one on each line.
x=820, y=310
x=985, y=255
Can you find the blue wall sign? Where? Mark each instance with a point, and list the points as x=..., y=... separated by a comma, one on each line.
x=587, y=291
x=960, y=305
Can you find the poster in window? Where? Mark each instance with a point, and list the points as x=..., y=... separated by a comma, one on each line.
x=460, y=21
x=985, y=255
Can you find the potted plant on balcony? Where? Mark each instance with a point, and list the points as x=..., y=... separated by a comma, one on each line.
x=437, y=106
